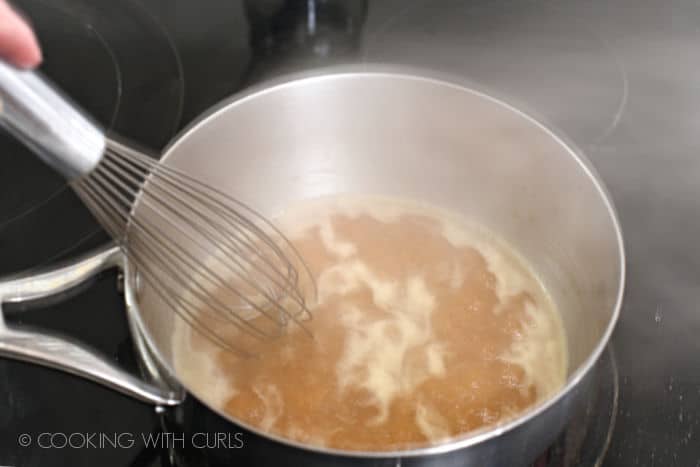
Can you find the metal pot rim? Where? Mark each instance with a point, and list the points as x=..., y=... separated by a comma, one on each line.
x=401, y=72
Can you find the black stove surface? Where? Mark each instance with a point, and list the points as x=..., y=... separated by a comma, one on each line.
x=619, y=78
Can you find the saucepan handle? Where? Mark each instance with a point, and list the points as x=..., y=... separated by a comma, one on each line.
x=64, y=353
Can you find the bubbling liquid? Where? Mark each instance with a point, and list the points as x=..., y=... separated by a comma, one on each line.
x=424, y=328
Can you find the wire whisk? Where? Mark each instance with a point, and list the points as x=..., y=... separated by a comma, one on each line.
x=183, y=235
x=213, y=260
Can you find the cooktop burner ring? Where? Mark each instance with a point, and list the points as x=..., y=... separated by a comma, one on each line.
x=513, y=52
x=137, y=92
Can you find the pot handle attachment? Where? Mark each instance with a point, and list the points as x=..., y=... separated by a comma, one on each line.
x=64, y=353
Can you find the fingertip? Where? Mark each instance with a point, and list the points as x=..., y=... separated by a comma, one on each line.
x=18, y=43
x=28, y=50
x=30, y=57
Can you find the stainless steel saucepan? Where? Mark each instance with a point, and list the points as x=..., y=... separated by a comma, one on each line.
x=382, y=132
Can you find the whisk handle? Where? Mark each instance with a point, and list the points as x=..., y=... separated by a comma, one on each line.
x=48, y=123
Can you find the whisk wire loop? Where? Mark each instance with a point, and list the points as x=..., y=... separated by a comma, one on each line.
x=206, y=255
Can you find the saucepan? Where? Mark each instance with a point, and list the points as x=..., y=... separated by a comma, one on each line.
x=379, y=131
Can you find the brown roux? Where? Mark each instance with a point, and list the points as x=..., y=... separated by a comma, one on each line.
x=410, y=346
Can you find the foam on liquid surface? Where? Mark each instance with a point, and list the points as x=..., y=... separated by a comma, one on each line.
x=424, y=328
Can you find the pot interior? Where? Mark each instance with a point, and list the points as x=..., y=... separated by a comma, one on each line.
x=411, y=137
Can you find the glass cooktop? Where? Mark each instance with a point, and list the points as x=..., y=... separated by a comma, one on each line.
x=620, y=79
